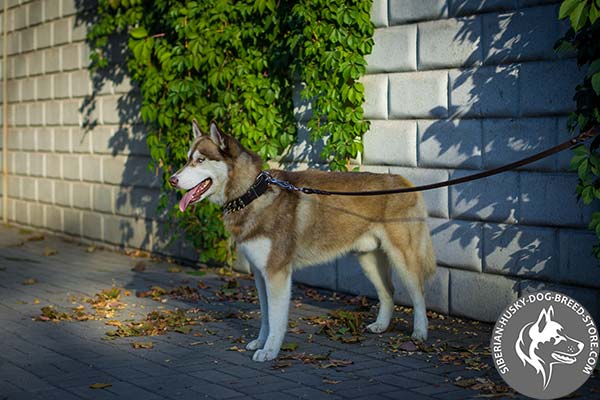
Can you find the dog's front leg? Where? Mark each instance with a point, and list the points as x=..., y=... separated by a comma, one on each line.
x=278, y=288
x=259, y=342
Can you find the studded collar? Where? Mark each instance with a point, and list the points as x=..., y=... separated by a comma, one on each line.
x=259, y=186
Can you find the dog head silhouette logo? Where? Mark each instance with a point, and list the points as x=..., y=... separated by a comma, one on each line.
x=544, y=343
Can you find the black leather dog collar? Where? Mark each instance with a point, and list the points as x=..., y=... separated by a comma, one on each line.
x=259, y=186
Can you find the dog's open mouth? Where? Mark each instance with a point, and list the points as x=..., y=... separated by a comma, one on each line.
x=194, y=194
x=563, y=358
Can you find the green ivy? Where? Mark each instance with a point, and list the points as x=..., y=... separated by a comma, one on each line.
x=238, y=62
x=583, y=38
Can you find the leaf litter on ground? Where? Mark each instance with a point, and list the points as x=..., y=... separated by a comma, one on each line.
x=182, y=292
x=104, y=304
x=233, y=290
x=159, y=322
x=107, y=302
x=318, y=360
x=488, y=387
x=340, y=325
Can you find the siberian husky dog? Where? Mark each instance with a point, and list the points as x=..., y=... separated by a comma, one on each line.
x=279, y=230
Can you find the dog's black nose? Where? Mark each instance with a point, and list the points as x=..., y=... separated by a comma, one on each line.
x=173, y=181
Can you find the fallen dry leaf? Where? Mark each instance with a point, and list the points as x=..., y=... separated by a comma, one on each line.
x=174, y=269
x=313, y=294
x=408, y=346
x=202, y=285
x=139, y=266
x=90, y=249
x=336, y=363
x=183, y=329
x=137, y=253
x=100, y=385
x=48, y=251
x=30, y=281
x=281, y=365
x=142, y=345
x=330, y=381
x=35, y=238
x=235, y=348
x=289, y=346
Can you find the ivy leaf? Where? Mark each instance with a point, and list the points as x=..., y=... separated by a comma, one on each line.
x=579, y=16
x=596, y=82
x=583, y=169
x=595, y=220
x=580, y=150
x=567, y=7
x=594, y=13
x=587, y=194
x=138, y=33
x=594, y=67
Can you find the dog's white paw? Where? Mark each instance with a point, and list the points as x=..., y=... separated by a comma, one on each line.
x=255, y=344
x=265, y=355
x=419, y=334
x=377, y=327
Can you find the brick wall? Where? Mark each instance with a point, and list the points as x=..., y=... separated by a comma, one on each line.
x=453, y=87
x=65, y=176
x=458, y=86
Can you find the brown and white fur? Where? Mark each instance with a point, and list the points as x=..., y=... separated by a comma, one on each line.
x=284, y=230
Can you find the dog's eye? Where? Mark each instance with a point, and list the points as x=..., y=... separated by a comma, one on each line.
x=558, y=339
x=196, y=158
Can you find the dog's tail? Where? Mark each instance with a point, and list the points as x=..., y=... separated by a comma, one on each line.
x=428, y=261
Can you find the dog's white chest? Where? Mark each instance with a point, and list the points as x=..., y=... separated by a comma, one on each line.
x=257, y=251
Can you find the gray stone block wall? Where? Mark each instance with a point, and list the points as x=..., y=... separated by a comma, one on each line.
x=458, y=86
x=63, y=177
x=452, y=87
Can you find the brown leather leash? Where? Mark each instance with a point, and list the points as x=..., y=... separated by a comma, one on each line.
x=582, y=137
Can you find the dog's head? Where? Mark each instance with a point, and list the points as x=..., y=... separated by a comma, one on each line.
x=544, y=343
x=210, y=162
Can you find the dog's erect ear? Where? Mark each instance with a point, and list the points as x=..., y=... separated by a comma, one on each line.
x=197, y=131
x=217, y=136
x=544, y=318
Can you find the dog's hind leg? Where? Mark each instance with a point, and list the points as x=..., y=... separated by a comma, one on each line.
x=375, y=266
x=259, y=342
x=415, y=292
x=279, y=289
x=407, y=269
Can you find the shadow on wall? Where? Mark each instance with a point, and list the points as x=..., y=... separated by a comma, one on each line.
x=484, y=126
x=507, y=101
x=112, y=115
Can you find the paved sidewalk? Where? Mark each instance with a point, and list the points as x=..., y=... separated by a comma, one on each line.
x=62, y=337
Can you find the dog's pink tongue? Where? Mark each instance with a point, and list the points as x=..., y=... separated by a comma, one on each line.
x=185, y=200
